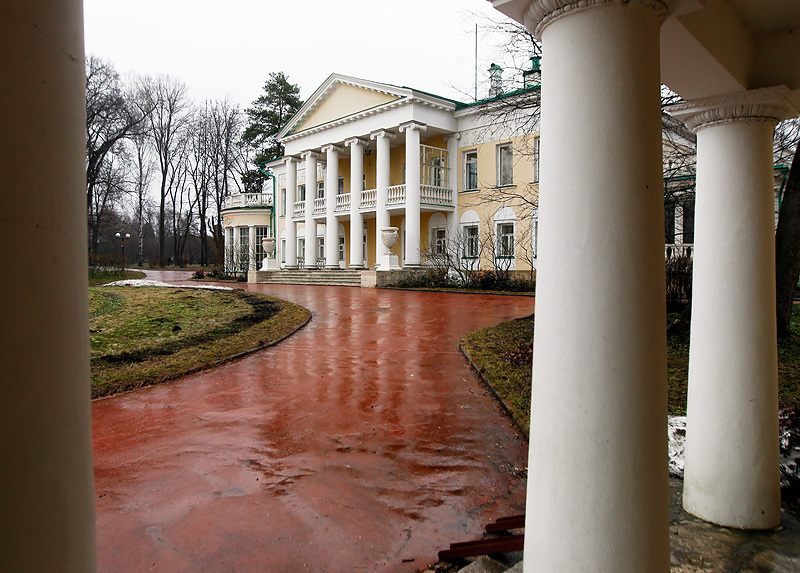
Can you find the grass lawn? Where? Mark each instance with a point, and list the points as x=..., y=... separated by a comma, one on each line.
x=144, y=335
x=103, y=277
x=503, y=354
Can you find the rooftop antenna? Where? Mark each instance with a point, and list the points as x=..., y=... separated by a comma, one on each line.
x=476, y=61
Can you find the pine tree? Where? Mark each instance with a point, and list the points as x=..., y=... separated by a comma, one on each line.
x=269, y=113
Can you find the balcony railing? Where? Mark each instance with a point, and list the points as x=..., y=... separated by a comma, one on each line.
x=397, y=195
x=319, y=205
x=368, y=199
x=299, y=209
x=435, y=195
x=241, y=200
x=343, y=202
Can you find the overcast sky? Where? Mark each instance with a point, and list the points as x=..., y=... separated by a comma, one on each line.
x=228, y=48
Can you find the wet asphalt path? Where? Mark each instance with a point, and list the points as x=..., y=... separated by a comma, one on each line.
x=361, y=443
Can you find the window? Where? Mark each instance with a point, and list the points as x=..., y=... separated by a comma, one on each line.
x=320, y=248
x=688, y=222
x=505, y=171
x=536, y=159
x=471, y=171
x=301, y=251
x=320, y=189
x=364, y=245
x=535, y=235
x=261, y=233
x=301, y=192
x=471, y=242
x=437, y=171
x=243, y=255
x=439, y=241
x=230, y=249
x=283, y=202
x=341, y=185
x=283, y=251
x=341, y=249
x=505, y=240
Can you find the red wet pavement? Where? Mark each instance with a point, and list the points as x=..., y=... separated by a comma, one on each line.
x=361, y=443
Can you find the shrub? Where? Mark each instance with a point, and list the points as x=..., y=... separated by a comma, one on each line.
x=679, y=282
x=199, y=274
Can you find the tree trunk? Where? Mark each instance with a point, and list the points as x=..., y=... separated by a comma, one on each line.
x=787, y=248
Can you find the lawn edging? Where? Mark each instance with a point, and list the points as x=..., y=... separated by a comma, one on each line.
x=210, y=365
x=495, y=394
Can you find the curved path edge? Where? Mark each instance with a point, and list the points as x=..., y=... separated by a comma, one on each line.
x=216, y=363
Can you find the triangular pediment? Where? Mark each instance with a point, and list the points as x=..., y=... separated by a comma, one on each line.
x=344, y=100
x=340, y=97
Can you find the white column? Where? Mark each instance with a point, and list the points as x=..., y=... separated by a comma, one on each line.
x=356, y=187
x=291, y=226
x=310, y=158
x=453, y=163
x=252, y=255
x=382, y=178
x=47, y=500
x=599, y=366
x=331, y=190
x=732, y=469
x=413, y=245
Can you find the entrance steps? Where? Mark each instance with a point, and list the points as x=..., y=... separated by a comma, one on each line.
x=335, y=277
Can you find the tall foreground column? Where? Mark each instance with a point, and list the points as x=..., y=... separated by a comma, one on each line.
x=310, y=261
x=46, y=490
x=599, y=366
x=356, y=187
x=413, y=230
x=291, y=226
x=732, y=470
x=382, y=178
x=331, y=191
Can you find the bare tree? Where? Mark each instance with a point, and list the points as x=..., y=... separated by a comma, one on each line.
x=113, y=113
x=227, y=121
x=787, y=233
x=170, y=115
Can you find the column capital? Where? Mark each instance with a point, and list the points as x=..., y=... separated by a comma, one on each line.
x=766, y=104
x=413, y=125
x=382, y=133
x=289, y=160
x=541, y=13
x=355, y=141
x=453, y=136
x=315, y=154
x=332, y=147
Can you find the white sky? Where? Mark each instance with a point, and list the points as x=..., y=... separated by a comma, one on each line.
x=229, y=48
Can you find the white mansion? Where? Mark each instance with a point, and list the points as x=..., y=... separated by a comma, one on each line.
x=363, y=156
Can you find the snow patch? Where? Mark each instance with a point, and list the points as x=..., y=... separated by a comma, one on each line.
x=152, y=283
x=676, y=428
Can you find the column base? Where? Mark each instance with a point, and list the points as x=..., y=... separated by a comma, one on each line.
x=269, y=264
x=388, y=262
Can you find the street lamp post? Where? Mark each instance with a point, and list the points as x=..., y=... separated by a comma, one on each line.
x=122, y=238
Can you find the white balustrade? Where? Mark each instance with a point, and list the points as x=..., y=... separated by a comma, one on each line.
x=397, y=195
x=343, y=202
x=299, y=209
x=319, y=205
x=436, y=195
x=247, y=200
x=368, y=199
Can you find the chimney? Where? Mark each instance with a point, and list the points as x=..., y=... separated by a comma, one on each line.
x=533, y=77
x=495, y=80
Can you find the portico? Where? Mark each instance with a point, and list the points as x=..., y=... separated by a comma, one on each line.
x=386, y=166
x=599, y=375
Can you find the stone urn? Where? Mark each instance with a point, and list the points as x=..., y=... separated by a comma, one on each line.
x=389, y=237
x=268, y=244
